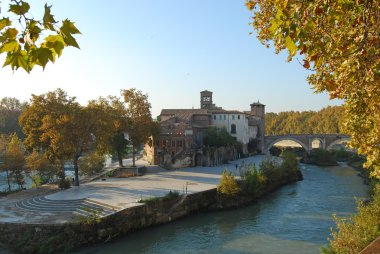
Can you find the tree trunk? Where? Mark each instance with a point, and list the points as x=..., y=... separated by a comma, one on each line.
x=76, y=171
x=120, y=158
x=8, y=181
x=133, y=156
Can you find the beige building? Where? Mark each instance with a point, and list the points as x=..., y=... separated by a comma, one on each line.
x=183, y=130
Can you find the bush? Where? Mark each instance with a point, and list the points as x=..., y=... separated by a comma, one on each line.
x=321, y=157
x=354, y=234
x=91, y=164
x=228, y=184
x=251, y=179
x=289, y=164
x=64, y=183
x=275, y=151
x=271, y=170
x=171, y=195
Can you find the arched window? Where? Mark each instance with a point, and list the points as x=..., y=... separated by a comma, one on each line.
x=233, y=128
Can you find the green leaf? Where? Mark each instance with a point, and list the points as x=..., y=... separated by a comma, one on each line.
x=67, y=29
x=291, y=46
x=16, y=60
x=44, y=55
x=4, y=22
x=56, y=43
x=34, y=30
x=48, y=19
x=10, y=46
x=19, y=9
x=10, y=33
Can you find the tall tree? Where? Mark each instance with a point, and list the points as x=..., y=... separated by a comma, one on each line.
x=37, y=121
x=111, y=129
x=339, y=42
x=4, y=140
x=12, y=159
x=10, y=110
x=140, y=124
x=28, y=41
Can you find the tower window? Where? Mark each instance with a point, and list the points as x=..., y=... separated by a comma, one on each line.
x=233, y=117
x=239, y=117
x=224, y=117
x=220, y=117
x=214, y=117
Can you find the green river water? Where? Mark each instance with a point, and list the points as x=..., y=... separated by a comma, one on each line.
x=294, y=219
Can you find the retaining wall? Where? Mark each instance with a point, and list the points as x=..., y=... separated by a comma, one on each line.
x=50, y=238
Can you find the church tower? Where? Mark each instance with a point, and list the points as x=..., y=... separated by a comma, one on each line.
x=206, y=99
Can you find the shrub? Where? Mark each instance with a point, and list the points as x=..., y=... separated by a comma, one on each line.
x=64, y=183
x=228, y=184
x=171, y=195
x=270, y=169
x=321, y=157
x=251, y=179
x=289, y=165
x=354, y=234
x=91, y=164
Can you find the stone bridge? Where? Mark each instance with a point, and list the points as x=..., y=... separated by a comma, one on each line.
x=305, y=140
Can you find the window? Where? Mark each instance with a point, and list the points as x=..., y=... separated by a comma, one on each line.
x=233, y=128
x=233, y=117
x=239, y=117
x=179, y=143
x=157, y=142
x=214, y=117
x=173, y=143
x=220, y=117
x=224, y=117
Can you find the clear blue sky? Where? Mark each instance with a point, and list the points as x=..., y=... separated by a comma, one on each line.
x=171, y=50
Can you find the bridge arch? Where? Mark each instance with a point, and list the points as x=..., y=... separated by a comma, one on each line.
x=321, y=143
x=271, y=144
x=337, y=142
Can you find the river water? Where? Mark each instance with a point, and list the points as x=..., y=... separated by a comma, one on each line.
x=294, y=219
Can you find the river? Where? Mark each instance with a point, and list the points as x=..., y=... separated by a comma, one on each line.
x=294, y=219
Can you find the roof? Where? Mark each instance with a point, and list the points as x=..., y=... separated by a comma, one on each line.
x=257, y=104
x=184, y=111
x=223, y=111
x=206, y=91
x=184, y=114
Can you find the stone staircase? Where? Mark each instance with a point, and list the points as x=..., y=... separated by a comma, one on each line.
x=82, y=207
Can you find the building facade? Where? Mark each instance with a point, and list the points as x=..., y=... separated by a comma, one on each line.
x=183, y=131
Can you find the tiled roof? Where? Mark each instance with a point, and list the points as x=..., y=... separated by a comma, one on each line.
x=184, y=114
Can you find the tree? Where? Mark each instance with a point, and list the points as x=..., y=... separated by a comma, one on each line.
x=4, y=140
x=39, y=168
x=339, y=42
x=12, y=160
x=140, y=124
x=37, y=121
x=10, y=110
x=30, y=41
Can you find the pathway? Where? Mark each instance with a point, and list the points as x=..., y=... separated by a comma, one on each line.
x=106, y=197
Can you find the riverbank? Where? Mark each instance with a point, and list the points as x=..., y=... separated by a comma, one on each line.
x=45, y=238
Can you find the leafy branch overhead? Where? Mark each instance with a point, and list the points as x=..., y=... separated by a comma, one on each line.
x=27, y=41
x=340, y=41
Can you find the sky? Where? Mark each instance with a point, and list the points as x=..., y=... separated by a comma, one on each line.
x=170, y=50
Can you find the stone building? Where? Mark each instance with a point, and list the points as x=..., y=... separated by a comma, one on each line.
x=183, y=130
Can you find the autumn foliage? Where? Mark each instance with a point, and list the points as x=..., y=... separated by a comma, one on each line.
x=338, y=42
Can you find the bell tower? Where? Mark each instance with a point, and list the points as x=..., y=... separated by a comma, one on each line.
x=206, y=99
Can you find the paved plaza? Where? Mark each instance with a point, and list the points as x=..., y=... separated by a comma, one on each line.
x=108, y=195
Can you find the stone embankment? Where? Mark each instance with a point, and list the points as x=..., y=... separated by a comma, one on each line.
x=50, y=238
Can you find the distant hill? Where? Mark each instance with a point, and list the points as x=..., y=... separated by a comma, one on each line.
x=328, y=120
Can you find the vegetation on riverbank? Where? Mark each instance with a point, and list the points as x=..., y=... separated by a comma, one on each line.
x=253, y=180
x=355, y=233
